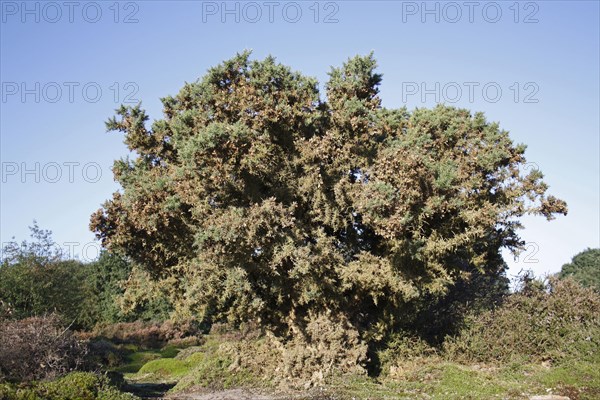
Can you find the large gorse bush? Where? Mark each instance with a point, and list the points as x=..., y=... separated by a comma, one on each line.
x=254, y=199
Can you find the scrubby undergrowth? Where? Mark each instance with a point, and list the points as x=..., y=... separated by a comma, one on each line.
x=554, y=322
x=74, y=386
x=543, y=339
x=38, y=348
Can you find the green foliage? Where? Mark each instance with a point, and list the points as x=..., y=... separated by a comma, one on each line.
x=213, y=365
x=439, y=317
x=557, y=322
x=144, y=299
x=75, y=386
x=40, y=251
x=584, y=268
x=108, y=302
x=35, y=279
x=105, y=279
x=37, y=289
x=401, y=347
x=255, y=200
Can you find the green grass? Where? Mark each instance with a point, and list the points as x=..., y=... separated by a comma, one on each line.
x=433, y=379
x=461, y=382
x=580, y=377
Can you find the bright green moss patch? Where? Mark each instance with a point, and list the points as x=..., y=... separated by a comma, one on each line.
x=165, y=368
x=206, y=366
x=169, y=352
x=138, y=358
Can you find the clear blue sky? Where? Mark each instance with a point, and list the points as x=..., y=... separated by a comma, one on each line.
x=542, y=56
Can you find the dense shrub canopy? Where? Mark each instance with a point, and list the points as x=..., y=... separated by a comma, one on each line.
x=254, y=199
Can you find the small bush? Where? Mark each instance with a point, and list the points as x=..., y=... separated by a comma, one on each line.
x=327, y=346
x=38, y=348
x=402, y=348
x=557, y=321
x=74, y=386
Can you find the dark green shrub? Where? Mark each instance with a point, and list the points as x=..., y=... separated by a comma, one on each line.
x=34, y=289
x=584, y=268
x=104, y=279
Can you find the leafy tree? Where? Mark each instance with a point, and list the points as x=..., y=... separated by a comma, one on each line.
x=105, y=279
x=33, y=290
x=41, y=250
x=36, y=279
x=254, y=199
x=584, y=268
